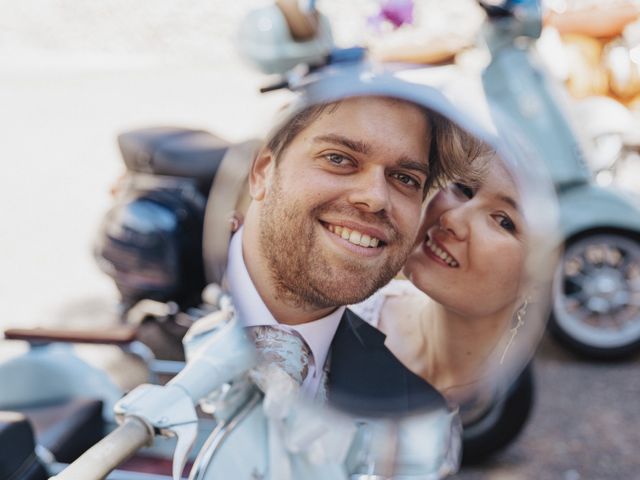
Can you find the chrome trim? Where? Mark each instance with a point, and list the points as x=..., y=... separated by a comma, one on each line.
x=219, y=435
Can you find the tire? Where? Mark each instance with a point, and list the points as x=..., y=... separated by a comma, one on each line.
x=501, y=423
x=596, y=296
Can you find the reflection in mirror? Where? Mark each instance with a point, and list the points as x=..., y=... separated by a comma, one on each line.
x=337, y=196
x=344, y=195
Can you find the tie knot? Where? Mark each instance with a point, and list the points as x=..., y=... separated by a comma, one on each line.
x=283, y=348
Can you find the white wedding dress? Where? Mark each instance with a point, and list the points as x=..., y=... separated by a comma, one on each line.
x=370, y=309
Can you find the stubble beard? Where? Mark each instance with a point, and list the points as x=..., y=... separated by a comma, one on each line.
x=301, y=275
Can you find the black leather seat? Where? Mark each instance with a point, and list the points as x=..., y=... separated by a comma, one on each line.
x=172, y=151
x=67, y=429
x=18, y=460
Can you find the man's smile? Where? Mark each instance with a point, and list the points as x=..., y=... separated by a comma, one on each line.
x=354, y=236
x=355, y=239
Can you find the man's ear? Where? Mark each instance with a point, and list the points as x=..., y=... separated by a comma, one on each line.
x=260, y=174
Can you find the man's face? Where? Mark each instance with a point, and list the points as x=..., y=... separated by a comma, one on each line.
x=341, y=206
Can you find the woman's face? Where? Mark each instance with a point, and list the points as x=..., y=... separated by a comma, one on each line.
x=470, y=252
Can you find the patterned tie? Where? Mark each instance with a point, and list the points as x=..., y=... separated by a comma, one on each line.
x=285, y=349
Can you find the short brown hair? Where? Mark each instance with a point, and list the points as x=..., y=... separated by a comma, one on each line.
x=451, y=152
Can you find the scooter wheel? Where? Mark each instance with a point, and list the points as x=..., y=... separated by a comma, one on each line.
x=501, y=423
x=596, y=296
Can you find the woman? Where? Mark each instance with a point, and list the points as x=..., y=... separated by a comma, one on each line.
x=453, y=321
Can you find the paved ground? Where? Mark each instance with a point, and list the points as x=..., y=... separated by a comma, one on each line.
x=585, y=424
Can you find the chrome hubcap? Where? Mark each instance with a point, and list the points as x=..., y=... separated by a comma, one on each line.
x=597, y=290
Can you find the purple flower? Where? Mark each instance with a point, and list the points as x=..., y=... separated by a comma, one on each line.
x=396, y=12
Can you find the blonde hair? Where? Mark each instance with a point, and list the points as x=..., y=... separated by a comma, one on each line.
x=456, y=154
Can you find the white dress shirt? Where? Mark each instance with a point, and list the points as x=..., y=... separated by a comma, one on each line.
x=253, y=312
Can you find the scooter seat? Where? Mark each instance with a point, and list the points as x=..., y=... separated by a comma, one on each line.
x=172, y=151
x=18, y=460
x=68, y=428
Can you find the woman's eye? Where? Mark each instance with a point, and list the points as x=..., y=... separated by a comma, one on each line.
x=466, y=190
x=506, y=223
x=407, y=180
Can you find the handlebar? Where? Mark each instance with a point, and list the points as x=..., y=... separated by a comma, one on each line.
x=121, y=335
x=218, y=352
x=97, y=462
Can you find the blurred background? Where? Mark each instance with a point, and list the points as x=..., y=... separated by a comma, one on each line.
x=75, y=74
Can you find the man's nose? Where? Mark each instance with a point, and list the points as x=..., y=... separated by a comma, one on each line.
x=370, y=192
x=455, y=221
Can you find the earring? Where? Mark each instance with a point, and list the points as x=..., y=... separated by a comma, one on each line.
x=520, y=313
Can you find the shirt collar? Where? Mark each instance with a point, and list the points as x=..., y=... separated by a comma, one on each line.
x=253, y=312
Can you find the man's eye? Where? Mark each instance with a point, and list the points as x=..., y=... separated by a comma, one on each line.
x=337, y=159
x=506, y=223
x=407, y=179
x=465, y=190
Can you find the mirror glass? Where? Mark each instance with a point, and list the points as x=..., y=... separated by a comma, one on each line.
x=393, y=264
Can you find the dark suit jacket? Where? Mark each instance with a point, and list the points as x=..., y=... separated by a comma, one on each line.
x=365, y=378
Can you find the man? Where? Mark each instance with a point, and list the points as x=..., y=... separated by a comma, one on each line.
x=336, y=203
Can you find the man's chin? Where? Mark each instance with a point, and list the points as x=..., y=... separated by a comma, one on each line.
x=343, y=278
x=347, y=289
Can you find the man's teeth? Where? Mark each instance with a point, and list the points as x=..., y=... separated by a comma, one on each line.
x=353, y=236
x=448, y=259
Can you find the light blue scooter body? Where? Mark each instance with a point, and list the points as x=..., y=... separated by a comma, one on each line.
x=54, y=373
x=589, y=207
x=535, y=108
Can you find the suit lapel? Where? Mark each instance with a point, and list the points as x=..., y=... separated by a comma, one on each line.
x=365, y=334
x=366, y=378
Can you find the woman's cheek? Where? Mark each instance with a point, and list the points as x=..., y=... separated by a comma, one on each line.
x=422, y=231
x=434, y=209
x=512, y=259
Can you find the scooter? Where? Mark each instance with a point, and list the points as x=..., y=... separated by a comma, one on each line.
x=54, y=405
x=596, y=308
x=595, y=290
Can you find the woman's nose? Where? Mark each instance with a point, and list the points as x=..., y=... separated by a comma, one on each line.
x=455, y=221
